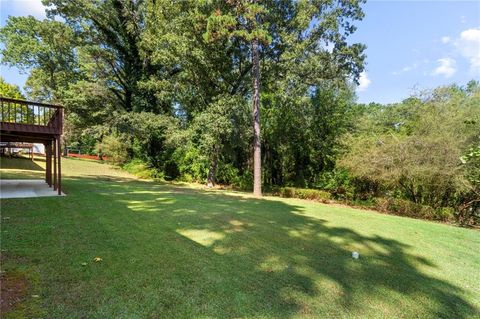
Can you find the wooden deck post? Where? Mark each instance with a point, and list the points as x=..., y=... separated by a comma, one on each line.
x=55, y=164
x=46, y=162
x=59, y=155
x=48, y=157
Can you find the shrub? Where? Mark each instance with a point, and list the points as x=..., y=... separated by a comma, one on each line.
x=115, y=148
x=192, y=166
x=338, y=183
x=227, y=174
x=445, y=214
x=141, y=170
x=305, y=193
x=403, y=207
x=245, y=181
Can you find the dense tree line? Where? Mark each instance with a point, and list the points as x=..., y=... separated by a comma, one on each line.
x=195, y=67
x=242, y=93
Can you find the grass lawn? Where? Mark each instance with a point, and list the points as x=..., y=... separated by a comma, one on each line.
x=171, y=251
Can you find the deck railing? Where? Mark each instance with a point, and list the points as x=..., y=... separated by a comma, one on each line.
x=26, y=112
x=20, y=115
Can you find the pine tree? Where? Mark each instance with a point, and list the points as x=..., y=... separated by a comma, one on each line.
x=242, y=19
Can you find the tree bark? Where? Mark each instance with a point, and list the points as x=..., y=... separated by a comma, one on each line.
x=257, y=156
x=212, y=171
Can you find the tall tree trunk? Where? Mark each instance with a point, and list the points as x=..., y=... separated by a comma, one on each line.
x=257, y=157
x=212, y=171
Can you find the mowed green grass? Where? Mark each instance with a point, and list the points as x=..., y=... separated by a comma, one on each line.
x=171, y=251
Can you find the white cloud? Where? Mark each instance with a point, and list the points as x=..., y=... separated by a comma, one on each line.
x=446, y=67
x=445, y=40
x=363, y=82
x=469, y=46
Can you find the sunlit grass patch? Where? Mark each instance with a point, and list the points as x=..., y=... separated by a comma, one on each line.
x=202, y=236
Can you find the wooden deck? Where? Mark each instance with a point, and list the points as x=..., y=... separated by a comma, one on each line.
x=32, y=122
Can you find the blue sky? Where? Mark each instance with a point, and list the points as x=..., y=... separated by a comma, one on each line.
x=417, y=45
x=412, y=45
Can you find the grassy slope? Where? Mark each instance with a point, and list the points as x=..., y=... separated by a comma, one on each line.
x=171, y=251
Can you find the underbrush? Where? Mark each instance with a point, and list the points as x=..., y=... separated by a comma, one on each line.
x=142, y=170
x=305, y=193
x=408, y=208
x=394, y=206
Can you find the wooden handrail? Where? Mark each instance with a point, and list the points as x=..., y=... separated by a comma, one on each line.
x=30, y=113
x=7, y=99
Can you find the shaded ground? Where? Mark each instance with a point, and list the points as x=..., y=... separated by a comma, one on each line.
x=170, y=251
x=13, y=290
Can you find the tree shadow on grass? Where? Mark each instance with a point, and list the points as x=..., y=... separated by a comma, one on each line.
x=285, y=256
x=20, y=163
x=189, y=253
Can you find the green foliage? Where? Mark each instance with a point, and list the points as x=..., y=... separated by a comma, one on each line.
x=10, y=90
x=115, y=148
x=469, y=211
x=314, y=124
x=230, y=175
x=242, y=19
x=85, y=144
x=338, y=182
x=15, y=112
x=44, y=47
x=148, y=137
x=313, y=194
x=192, y=166
x=174, y=80
x=210, y=133
x=111, y=34
x=142, y=170
x=403, y=207
x=471, y=164
x=414, y=150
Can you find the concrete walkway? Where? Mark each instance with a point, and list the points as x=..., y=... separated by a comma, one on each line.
x=25, y=188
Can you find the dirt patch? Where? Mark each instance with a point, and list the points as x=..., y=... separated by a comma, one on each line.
x=13, y=290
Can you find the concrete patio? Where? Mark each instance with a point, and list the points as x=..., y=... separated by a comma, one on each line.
x=25, y=188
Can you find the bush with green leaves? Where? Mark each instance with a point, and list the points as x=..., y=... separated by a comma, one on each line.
x=338, y=182
x=115, y=148
x=305, y=193
x=142, y=170
x=191, y=164
x=403, y=207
